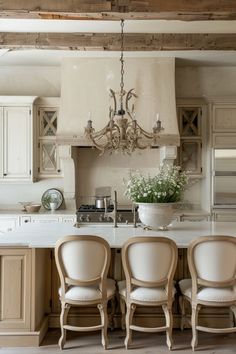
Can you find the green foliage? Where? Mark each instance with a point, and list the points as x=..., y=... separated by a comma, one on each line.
x=166, y=187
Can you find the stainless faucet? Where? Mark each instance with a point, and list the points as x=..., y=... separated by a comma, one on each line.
x=112, y=214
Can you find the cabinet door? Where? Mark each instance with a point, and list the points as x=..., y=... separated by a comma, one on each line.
x=17, y=142
x=48, y=153
x=190, y=121
x=190, y=150
x=224, y=118
x=15, y=285
x=49, y=161
x=190, y=156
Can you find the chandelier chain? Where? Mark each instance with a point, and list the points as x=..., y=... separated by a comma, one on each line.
x=122, y=67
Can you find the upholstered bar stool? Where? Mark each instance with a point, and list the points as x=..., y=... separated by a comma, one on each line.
x=212, y=265
x=149, y=265
x=82, y=263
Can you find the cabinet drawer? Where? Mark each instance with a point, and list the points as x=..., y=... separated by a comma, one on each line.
x=231, y=216
x=194, y=218
x=8, y=224
x=44, y=220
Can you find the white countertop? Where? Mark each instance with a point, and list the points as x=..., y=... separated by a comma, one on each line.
x=45, y=236
x=42, y=212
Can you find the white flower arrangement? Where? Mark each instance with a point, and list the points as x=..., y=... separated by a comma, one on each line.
x=166, y=187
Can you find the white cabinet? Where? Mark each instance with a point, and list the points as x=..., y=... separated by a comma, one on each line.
x=8, y=223
x=17, y=139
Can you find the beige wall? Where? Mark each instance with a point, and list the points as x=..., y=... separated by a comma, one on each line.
x=96, y=171
x=205, y=81
x=30, y=81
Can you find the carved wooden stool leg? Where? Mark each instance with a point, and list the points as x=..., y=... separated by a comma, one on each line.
x=122, y=308
x=104, y=321
x=233, y=309
x=183, y=313
x=113, y=311
x=129, y=316
x=194, y=319
x=63, y=319
x=169, y=324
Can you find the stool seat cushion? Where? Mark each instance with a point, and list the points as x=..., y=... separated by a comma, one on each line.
x=89, y=293
x=145, y=294
x=207, y=293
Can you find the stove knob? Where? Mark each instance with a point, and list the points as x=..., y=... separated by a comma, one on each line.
x=120, y=218
x=88, y=218
x=81, y=218
x=101, y=218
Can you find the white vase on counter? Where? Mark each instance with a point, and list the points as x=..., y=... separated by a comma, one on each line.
x=156, y=215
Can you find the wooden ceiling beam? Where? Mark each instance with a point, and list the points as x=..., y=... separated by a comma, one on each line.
x=111, y=41
x=116, y=9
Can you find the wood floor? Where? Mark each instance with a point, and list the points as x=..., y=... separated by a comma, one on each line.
x=143, y=343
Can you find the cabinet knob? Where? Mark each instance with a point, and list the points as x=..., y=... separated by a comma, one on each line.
x=4, y=174
x=26, y=220
x=58, y=171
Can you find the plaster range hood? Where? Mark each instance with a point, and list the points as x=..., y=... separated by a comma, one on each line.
x=85, y=85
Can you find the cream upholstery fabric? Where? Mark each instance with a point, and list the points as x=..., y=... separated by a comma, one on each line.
x=83, y=260
x=208, y=294
x=145, y=294
x=89, y=293
x=221, y=264
x=159, y=257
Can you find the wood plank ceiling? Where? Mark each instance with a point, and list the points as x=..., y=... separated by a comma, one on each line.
x=185, y=10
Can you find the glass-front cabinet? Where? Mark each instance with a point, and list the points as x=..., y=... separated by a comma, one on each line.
x=190, y=129
x=48, y=152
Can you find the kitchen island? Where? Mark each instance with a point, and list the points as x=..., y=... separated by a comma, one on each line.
x=29, y=280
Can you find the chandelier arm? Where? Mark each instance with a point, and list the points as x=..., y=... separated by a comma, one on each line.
x=103, y=133
x=129, y=95
x=147, y=134
x=113, y=95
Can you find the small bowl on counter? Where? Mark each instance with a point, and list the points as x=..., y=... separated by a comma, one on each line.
x=33, y=208
x=24, y=205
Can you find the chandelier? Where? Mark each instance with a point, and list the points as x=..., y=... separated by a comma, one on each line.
x=122, y=132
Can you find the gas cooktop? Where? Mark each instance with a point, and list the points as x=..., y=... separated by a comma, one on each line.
x=89, y=213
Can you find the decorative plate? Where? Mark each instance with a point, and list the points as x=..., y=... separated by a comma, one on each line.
x=52, y=196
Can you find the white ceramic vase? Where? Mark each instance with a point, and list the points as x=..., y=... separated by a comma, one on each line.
x=156, y=215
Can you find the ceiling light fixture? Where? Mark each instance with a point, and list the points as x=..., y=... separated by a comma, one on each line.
x=122, y=132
